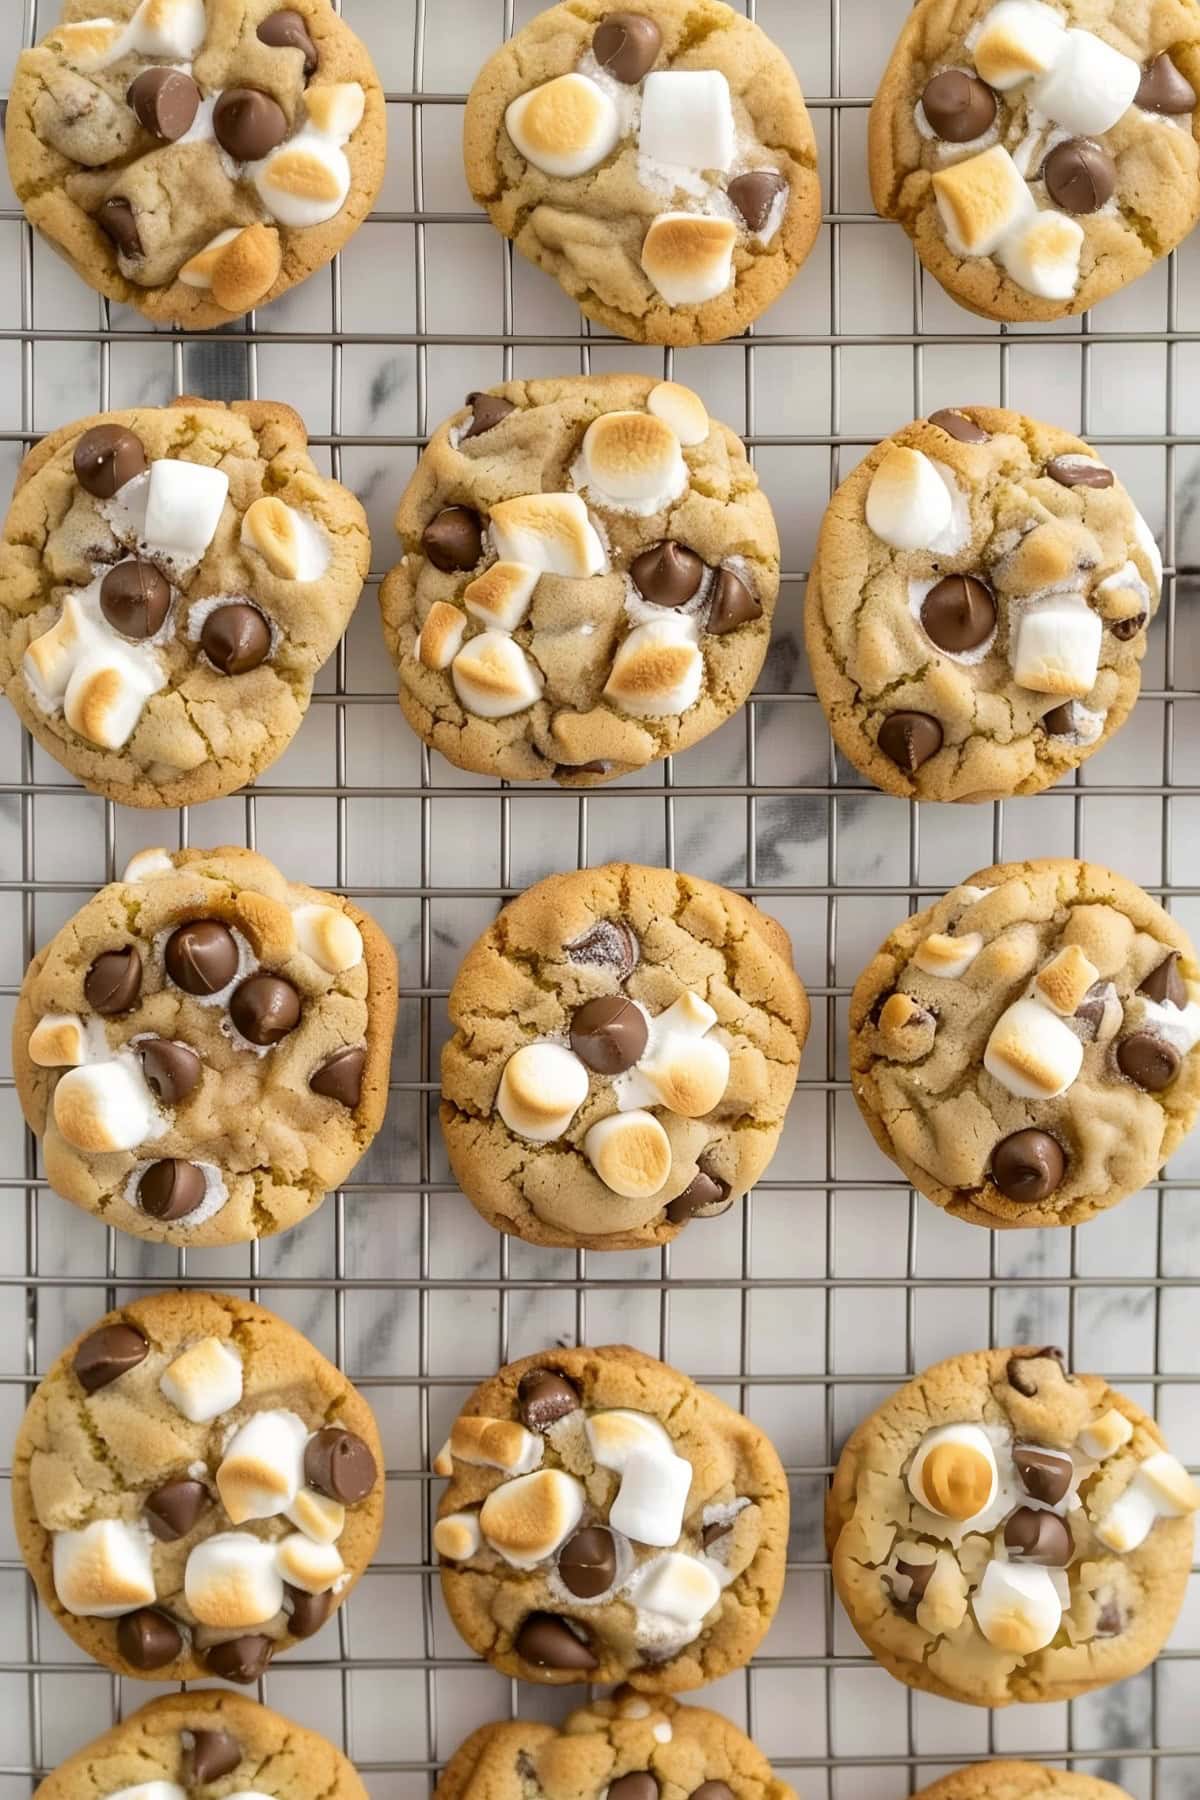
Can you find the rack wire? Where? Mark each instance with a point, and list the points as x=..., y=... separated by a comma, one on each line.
x=834, y=1281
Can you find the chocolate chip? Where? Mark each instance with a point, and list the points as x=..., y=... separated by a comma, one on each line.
x=1027, y=1166
x=1164, y=984
x=587, y=1562
x=236, y=638
x=1125, y=630
x=453, y=539
x=918, y=1576
x=1077, y=471
x=1095, y=1003
x=588, y=768
x=638, y=1786
x=288, y=30
x=1108, y=1620
x=171, y=1069
x=608, y=944
x=909, y=739
x=544, y=1396
x=549, y=1643
x=242, y=1660
x=712, y=1534
x=265, y=1008
x=1164, y=88
x=339, y=1464
x=609, y=1034
x=704, y=1197
x=171, y=1189
x=106, y=458
x=626, y=44
x=148, y=1639
x=114, y=981
x=713, y=1790
x=202, y=957
x=732, y=604
x=135, y=599
x=175, y=1508
x=118, y=221
x=1079, y=175
x=248, y=124
x=166, y=102
x=1046, y=1475
x=958, y=106
x=1021, y=1378
x=487, y=410
x=959, y=613
x=340, y=1078
x=108, y=1354
x=668, y=575
x=1150, y=1062
x=1061, y=721
x=213, y=1754
x=308, y=1612
x=957, y=425
x=755, y=194
x=1034, y=1536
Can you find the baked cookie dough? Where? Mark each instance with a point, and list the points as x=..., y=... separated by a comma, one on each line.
x=977, y=610
x=171, y=581
x=606, y=1520
x=189, y=1746
x=196, y=158
x=589, y=577
x=1004, y=1780
x=626, y=1043
x=658, y=162
x=1004, y=1530
x=1026, y=1049
x=195, y=1488
x=1040, y=156
x=204, y=1049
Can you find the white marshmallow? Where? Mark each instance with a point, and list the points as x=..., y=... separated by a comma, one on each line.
x=305, y=181
x=494, y=678
x=526, y=1520
x=1172, y=1489
x=1180, y=1025
x=106, y=1106
x=232, y=1581
x=107, y=694
x=262, y=1470
x=1148, y=545
x=630, y=1152
x=330, y=937
x=1016, y=40
x=1161, y=1489
x=614, y=1436
x=681, y=1067
x=658, y=670
x=565, y=126
x=1042, y=255
x=1032, y=1052
x=632, y=462
x=336, y=109
x=689, y=256
x=687, y=119
x=57, y=1042
x=144, y=865
x=981, y=200
x=652, y=1498
x=961, y=1480
x=457, y=1537
x=908, y=503
x=541, y=1089
x=501, y=596
x=441, y=636
x=1106, y=1435
x=1088, y=87
x=1128, y=1521
x=495, y=1444
x=1057, y=649
x=678, y=1587
x=292, y=545
x=317, y=1516
x=104, y=1570
x=313, y=1568
x=184, y=503
x=682, y=410
x=548, y=532
x=949, y=957
x=204, y=1381
x=151, y=1790
x=169, y=28
x=1017, y=1606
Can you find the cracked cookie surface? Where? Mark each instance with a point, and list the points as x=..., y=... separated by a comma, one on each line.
x=204, y=1049
x=1026, y=1049
x=626, y=1044
x=589, y=579
x=659, y=163
x=196, y=158
x=171, y=581
x=1003, y=1530
x=1002, y=1779
x=977, y=611
x=195, y=1488
x=607, y=1520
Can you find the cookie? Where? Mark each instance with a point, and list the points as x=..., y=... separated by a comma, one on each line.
x=1026, y=1049
x=196, y=158
x=1004, y=1530
x=626, y=1043
x=198, y=1744
x=171, y=581
x=659, y=163
x=195, y=1488
x=977, y=611
x=606, y=1520
x=204, y=1049
x=1003, y=1780
x=589, y=577
x=1040, y=157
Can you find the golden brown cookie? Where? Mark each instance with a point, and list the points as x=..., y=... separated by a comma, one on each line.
x=1004, y=1780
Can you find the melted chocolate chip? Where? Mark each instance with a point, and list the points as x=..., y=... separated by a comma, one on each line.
x=176, y=1508
x=958, y=106
x=704, y=1197
x=265, y=1008
x=959, y=613
x=909, y=739
x=1077, y=471
x=1028, y=1166
x=487, y=410
x=1061, y=721
x=608, y=944
x=165, y=102
x=213, y=1755
x=288, y=30
x=640, y=1785
x=712, y=1534
x=1035, y=1536
x=1125, y=630
x=1046, y=1475
x=236, y=638
x=202, y=956
x=453, y=539
x=732, y=605
x=587, y=1562
x=135, y=599
x=957, y=425
x=248, y=124
x=108, y=1354
x=1108, y=1620
x=171, y=1069
x=118, y=221
x=609, y=1034
x=668, y=575
x=755, y=194
x=171, y=1189
x=1164, y=88
x=148, y=1639
x=1164, y=984
x=341, y=1077
x=626, y=44
x=1079, y=175
x=337, y=1463
x=114, y=982
x=549, y=1643
x=1148, y=1061
x=308, y=1612
x=1021, y=1378
x=106, y=458
x=242, y=1660
x=544, y=1396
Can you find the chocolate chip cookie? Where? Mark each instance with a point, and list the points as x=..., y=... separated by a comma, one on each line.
x=200, y=1744
x=204, y=1049
x=606, y=1520
x=196, y=158
x=977, y=611
x=1002, y=1530
x=659, y=163
x=1004, y=1780
x=625, y=1048
x=589, y=578
x=171, y=581
x=1040, y=156
x=195, y=1488
x=1026, y=1049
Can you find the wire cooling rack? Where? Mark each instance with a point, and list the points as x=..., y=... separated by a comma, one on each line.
x=834, y=1281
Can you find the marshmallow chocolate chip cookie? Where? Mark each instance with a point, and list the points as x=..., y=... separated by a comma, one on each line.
x=589, y=577
x=1026, y=1049
x=204, y=1049
x=196, y=158
x=171, y=581
x=658, y=162
x=606, y=1520
x=1003, y=1780
x=195, y=1488
x=626, y=1043
x=1004, y=1530
x=977, y=611
x=194, y=1746
x=1040, y=156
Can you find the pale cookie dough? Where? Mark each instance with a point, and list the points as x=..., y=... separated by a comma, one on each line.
x=171, y=581
x=1004, y=1530
x=198, y=1745
x=606, y=1520
x=589, y=578
x=204, y=1049
x=977, y=611
x=659, y=162
x=195, y=1489
x=626, y=1043
x=1040, y=155
x=1026, y=1049
x=196, y=158
x=1004, y=1780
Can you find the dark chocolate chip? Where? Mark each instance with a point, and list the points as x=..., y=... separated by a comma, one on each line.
x=171, y=1069
x=242, y=1660
x=755, y=194
x=958, y=106
x=340, y=1078
x=213, y=1755
x=487, y=410
x=1108, y=1620
x=1021, y=1378
x=307, y=1612
x=1079, y=175
x=713, y=1790
x=1150, y=1062
x=733, y=604
x=626, y=44
x=1027, y=1166
x=171, y=1189
x=265, y=1008
x=668, y=575
x=202, y=956
x=1075, y=471
x=288, y=30
x=108, y=1354
x=587, y=1562
x=918, y=1576
x=562, y=770
x=544, y=1396
x=909, y=739
x=176, y=1508
x=148, y=1639
x=236, y=638
x=704, y=1197
x=1046, y=1475
x=608, y=944
x=165, y=101
x=959, y=613
x=549, y=1643
x=1092, y=1008
x=1031, y=1535
x=712, y=1534
x=1164, y=88
x=106, y=458
x=1061, y=721
x=114, y=981
x=118, y=221
x=453, y=539
x=248, y=124
x=339, y=1464
x=1125, y=630
x=1164, y=984
x=640, y=1785
x=609, y=1034
x=957, y=425
x=135, y=599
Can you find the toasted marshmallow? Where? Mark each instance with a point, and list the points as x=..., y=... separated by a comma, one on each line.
x=1017, y=40
x=687, y=120
x=495, y=1444
x=145, y=865
x=494, y=678
x=57, y=1042
x=1089, y=85
x=199, y=270
x=548, y=532
x=1042, y=255
x=1129, y=1520
x=940, y=954
x=104, y=1570
x=1106, y=1435
x=443, y=1462
x=981, y=200
x=184, y=503
x=305, y=181
x=204, y=1381
x=658, y=669
x=51, y=658
x=565, y=126
x=1148, y=546
x=262, y=1470
x=542, y=1088
x=317, y=1516
x=311, y=1567
x=630, y=1152
x=90, y=44
x=330, y=937
x=1065, y=979
x=1032, y=1053
x=632, y=461
x=170, y=28
x=652, y=1498
x=291, y=544
x=527, y=1519
x=106, y=1106
x=232, y=1581
x=107, y=695
x=614, y=1436
x=908, y=504
x=678, y=1587
x=954, y=1472
x=441, y=636
x=1017, y=1606
x=682, y=410
x=457, y=1537
x=336, y=110
x=1057, y=649
x=501, y=595
x=689, y=256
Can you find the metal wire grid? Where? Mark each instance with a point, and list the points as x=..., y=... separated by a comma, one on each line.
x=818, y=1705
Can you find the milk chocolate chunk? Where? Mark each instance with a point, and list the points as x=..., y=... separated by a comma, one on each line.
x=1149, y=1062
x=265, y=1008
x=626, y=44
x=453, y=539
x=202, y=956
x=1164, y=984
x=959, y=613
x=1022, y=1377
x=108, y=1354
x=248, y=124
x=176, y=1508
x=958, y=106
x=1075, y=471
x=341, y=1077
x=704, y=1197
x=171, y=1189
x=148, y=1639
x=733, y=604
x=639, y=1785
x=909, y=739
x=308, y=1612
x=668, y=575
x=171, y=1069
x=1080, y=175
x=106, y=458
x=288, y=30
x=337, y=1463
x=118, y=221
x=544, y=1396
x=242, y=1660
x=487, y=410
x=549, y=1643
x=609, y=1034
x=755, y=194
x=1046, y=1475
x=1164, y=88
x=1027, y=1166
x=114, y=981
x=957, y=425
x=165, y=102
x=135, y=599
x=236, y=638
x=1035, y=1536
x=213, y=1754
x=587, y=1562
x=608, y=944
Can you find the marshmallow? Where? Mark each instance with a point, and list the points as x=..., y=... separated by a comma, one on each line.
x=1148, y=545
x=144, y=865
x=184, y=503
x=908, y=504
x=526, y=1520
x=1016, y=40
x=501, y=595
x=682, y=410
x=313, y=1568
x=1032, y=1053
x=1128, y=1521
x=106, y=1106
x=681, y=1068
x=633, y=462
x=289, y=542
x=954, y=1472
x=630, y=1152
x=548, y=532
x=155, y=1790
x=204, y=1381
x=613, y=1437
x=1065, y=979
x=1088, y=87
x=305, y=181
x=50, y=660
x=57, y=1042
x=1057, y=648
x=565, y=126
x=687, y=119
x=677, y=1587
x=199, y=270
x=457, y=1537
x=689, y=256
x=981, y=200
x=104, y=1570
x=232, y=1581
x=440, y=637
x=1017, y=1606
x=107, y=694
x=1042, y=255
x=658, y=669
x=494, y=678
x=330, y=937
x=336, y=109
x=495, y=1444
x=90, y=44
x=317, y=1516
x=443, y=1462
x=170, y=28
x=941, y=954
x=1105, y=1435
x=1160, y=1489
x=1180, y=1025
x=262, y=1470
x=652, y=1498
x=542, y=1088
